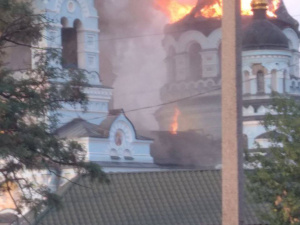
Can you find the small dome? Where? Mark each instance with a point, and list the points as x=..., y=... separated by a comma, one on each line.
x=262, y=34
x=259, y=4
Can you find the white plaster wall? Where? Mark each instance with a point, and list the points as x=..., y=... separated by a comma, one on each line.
x=209, y=52
x=252, y=129
x=99, y=150
x=278, y=60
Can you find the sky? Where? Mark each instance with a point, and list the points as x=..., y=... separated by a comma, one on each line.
x=293, y=7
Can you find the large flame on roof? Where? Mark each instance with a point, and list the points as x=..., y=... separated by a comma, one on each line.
x=177, y=9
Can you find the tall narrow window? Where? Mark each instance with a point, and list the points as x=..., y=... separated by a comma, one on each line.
x=247, y=83
x=284, y=80
x=171, y=64
x=69, y=47
x=195, y=62
x=245, y=141
x=274, y=80
x=260, y=82
x=220, y=60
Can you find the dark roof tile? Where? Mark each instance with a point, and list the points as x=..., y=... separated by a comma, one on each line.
x=161, y=198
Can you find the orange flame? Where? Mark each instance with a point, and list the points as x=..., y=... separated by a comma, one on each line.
x=177, y=9
x=174, y=125
x=174, y=9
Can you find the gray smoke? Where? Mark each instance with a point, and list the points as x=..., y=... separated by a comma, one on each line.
x=132, y=57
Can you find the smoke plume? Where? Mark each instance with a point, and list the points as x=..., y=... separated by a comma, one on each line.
x=132, y=57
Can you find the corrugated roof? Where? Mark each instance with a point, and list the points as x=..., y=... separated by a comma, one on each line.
x=148, y=198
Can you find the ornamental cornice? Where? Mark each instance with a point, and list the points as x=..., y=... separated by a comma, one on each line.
x=266, y=56
x=83, y=5
x=98, y=91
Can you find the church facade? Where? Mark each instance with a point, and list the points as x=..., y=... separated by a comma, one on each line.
x=270, y=62
x=107, y=135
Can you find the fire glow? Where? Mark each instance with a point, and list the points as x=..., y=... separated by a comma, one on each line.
x=174, y=125
x=177, y=9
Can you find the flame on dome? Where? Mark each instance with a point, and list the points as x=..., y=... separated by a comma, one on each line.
x=174, y=125
x=177, y=9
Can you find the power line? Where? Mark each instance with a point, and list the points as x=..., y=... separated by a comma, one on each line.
x=174, y=101
x=133, y=36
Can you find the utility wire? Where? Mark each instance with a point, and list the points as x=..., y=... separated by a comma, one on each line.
x=173, y=101
x=52, y=39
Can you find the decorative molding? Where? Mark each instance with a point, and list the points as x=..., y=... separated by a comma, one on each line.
x=266, y=56
x=89, y=51
x=71, y=6
x=98, y=92
x=83, y=5
x=89, y=30
x=125, y=137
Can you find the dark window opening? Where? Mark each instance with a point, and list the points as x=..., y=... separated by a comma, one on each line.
x=245, y=142
x=260, y=82
x=69, y=45
x=195, y=62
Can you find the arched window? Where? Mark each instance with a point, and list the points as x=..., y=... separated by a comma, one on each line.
x=171, y=64
x=195, y=62
x=114, y=154
x=220, y=60
x=69, y=44
x=127, y=154
x=245, y=141
x=274, y=80
x=247, y=83
x=284, y=80
x=260, y=79
x=293, y=86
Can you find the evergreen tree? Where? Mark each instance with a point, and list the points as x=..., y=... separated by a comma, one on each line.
x=275, y=181
x=29, y=100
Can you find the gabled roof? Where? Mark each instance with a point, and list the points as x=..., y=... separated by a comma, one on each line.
x=190, y=197
x=79, y=127
x=270, y=134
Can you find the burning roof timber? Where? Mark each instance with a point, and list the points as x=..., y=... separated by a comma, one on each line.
x=195, y=20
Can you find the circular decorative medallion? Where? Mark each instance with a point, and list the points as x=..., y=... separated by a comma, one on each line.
x=71, y=6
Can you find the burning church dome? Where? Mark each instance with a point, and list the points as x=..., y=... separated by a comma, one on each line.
x=261, y=33
x=270, y=62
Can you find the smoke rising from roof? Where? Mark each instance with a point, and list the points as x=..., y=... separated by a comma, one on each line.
x=131, y=57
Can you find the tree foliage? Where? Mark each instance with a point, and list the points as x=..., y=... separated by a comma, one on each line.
x=275, y=181
x=29, y=100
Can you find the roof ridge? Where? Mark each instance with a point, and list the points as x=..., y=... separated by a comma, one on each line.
x=165, y=171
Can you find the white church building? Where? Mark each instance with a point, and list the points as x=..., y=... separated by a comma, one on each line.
x=270, y=62
x=107, y=135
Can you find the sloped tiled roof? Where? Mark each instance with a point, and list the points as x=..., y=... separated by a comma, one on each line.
x=148, y=198
x=7, y=218
x=270, y=134
x=79, y=127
